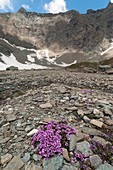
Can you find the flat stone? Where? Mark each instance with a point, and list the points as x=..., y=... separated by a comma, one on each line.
x=109, y=122
x=45, y=106
x=99, y=139
x=19, y=123
x=62, y=101
x=80, y=112
x=86, y=119
x=72, y=142
x=2, y=141
x=95, y=161
x=107, y=111
x=96, y=123
x=81, y=136
x=62, y=89
x=91, y=131
x=11, y=118
x=84, y=147
x=96, y=111
x=53, y=102
x=69, y=167
x=66, y=98
x=72, y=108
x=15, y=163
x=26, y=146
x=74, y=97
x=65, y=154
x=0, y=151
x=32, y=132
x=28, y=128
x=9, y=111
x=32, y=167
x=6, y=158
x=47, y=119
x=103, y=102
x=105, y=166
x=36, y=157
x=54, y=163
x=79, y=104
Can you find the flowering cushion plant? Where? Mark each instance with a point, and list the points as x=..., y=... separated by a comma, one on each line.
x=52, y=137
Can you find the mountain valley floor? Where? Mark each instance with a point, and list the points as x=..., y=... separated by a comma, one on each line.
x=30, y=98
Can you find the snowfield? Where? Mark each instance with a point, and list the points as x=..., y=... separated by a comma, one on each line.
x=11, y=61
x=40, y=55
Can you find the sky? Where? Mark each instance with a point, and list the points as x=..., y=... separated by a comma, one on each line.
x=52, y=6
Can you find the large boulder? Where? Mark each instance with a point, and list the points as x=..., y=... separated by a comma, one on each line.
x=12, y=68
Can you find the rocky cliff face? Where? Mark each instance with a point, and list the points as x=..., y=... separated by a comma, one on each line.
x=67, y=36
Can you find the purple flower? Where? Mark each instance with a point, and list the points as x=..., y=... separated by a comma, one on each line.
x=52, y=137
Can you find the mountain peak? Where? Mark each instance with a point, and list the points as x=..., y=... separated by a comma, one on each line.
x=21, y=10
x=110, y=4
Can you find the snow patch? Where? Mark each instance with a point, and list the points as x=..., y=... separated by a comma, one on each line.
x=30, y=58
x=7, y=42
x=11, y=61
x=111, y=47
x=66, y=65
x=39, y=54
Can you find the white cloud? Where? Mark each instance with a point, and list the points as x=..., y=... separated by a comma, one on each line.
x=111, y=1
x=25, y=6
x=56, y=6
x=6, y=4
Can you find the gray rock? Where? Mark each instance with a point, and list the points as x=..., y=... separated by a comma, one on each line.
x=86, y=119
x=72, y=143
x=12, y=68
x=0, y=151
x=54, y=163
x=84, y=147
x=96, y=112
x=66, y=98
x=81, y=136
x=95, y=161
x=28, y=128
x=36, y=157
x=91, y=131
x=11, y=118
x=80, y=112
x=100, y=140
x=74, y=97
x=107, y=111
x=26, y=157
x=1, y=122
x=103, y=102
x=105, y=166
x=19, y=123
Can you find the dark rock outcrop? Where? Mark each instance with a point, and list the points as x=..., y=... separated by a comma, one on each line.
x=86, y=35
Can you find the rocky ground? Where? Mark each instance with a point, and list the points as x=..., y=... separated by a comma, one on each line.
x=29, y=98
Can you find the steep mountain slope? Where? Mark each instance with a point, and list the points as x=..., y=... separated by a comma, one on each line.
x=34, y=39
